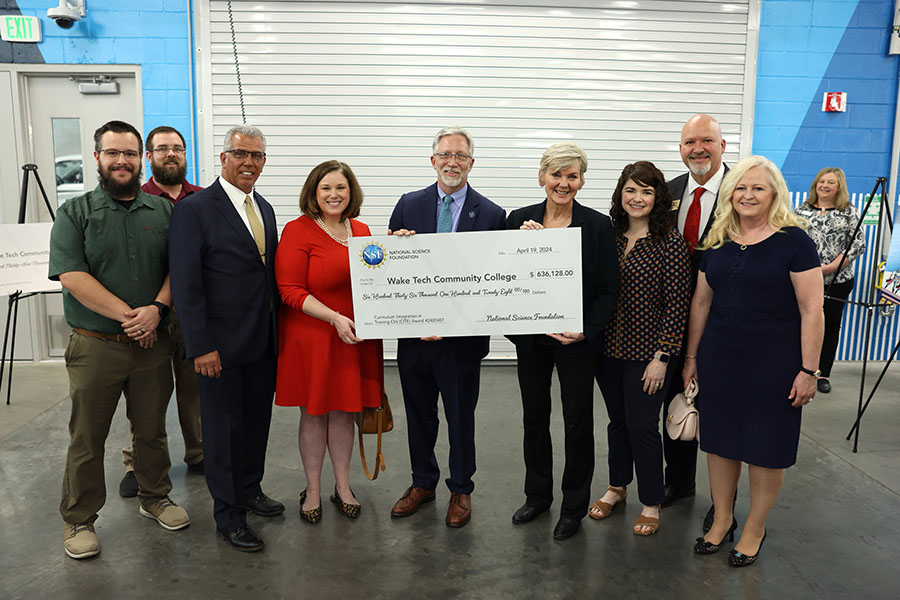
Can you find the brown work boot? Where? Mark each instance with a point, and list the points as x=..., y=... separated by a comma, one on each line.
x=460, y=509
x=409, y=502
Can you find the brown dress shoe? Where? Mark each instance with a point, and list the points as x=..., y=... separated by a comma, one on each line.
x=460, y=509
x=409, y=502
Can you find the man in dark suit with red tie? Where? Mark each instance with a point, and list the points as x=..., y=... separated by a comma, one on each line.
x=694, y=196
x=450, y=366
x=222, y=254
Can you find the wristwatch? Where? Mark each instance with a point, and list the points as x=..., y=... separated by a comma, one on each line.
x=815, y=373
x=162, y=307
x=662, y=357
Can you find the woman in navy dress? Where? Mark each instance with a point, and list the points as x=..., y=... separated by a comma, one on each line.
x=758, y=302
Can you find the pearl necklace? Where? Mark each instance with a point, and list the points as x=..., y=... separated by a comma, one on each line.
x=324, y=227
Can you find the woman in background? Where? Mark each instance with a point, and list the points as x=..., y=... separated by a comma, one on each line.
x=832, y=221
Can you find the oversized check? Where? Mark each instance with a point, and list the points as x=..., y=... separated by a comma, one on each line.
x=471, y=283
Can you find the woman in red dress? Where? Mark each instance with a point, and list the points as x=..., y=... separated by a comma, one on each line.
x=322, y=366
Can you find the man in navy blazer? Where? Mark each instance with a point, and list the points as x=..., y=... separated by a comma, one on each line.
x=701, y=151
x=433, y=365
x=222, y=253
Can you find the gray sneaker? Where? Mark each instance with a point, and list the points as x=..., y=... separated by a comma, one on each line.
x=80, y=541
x=168, y=514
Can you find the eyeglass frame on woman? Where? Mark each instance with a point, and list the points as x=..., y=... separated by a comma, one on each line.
x=241, y=154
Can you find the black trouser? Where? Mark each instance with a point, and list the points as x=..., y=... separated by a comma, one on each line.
x=427, y=369
x=834, y=312
x=633, y=430
x=576, y=383
x=236, y=411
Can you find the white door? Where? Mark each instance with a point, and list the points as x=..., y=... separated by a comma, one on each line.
x=60, y=120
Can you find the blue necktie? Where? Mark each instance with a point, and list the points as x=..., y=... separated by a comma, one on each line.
x=445, y=217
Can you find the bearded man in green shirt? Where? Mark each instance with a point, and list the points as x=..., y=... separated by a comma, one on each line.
x=108, y=249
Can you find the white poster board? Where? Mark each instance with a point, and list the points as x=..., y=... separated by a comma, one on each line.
x=467, y=283
x=25, y=259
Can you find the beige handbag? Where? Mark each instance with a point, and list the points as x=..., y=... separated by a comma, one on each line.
x=683, y=420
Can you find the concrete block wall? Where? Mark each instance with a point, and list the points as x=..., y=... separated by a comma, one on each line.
x=811, y=47
x=151, y=33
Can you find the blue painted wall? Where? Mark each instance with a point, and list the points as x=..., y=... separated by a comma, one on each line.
x=805, y=49
x=808, y=48
x=150, y=33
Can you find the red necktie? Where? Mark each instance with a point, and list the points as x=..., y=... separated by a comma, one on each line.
x=692, y=222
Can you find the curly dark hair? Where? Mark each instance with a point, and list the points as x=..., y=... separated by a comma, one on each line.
x=645, y=173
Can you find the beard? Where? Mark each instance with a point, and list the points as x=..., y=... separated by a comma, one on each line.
x=120, y=191
x=698, y=170
x=165, y=174
x=450, y=180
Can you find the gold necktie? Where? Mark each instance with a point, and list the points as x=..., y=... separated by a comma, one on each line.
x=256, y=226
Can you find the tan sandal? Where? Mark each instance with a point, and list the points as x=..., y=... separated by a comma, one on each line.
x=605, y=508
x=651, y=522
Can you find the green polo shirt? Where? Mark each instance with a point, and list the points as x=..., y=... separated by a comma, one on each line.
x=126, y=250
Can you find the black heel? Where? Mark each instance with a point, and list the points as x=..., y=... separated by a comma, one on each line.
x=704, y=547
x=738, y=559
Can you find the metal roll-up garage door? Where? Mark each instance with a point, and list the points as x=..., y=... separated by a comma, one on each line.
x=370, y=83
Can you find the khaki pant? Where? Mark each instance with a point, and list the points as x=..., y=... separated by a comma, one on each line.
x=100, y=371
x=187, y=394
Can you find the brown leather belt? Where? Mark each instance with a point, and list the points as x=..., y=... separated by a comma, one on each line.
x=112, y=337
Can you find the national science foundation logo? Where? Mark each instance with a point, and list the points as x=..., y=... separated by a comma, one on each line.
x=372, y=255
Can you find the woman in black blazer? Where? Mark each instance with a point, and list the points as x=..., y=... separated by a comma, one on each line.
x=574, y=354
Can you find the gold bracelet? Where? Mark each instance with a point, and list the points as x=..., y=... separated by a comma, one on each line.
x=689, y=356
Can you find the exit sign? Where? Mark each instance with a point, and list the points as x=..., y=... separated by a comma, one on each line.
x=16, y=28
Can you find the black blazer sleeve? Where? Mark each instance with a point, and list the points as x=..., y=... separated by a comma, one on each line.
x=599, y=272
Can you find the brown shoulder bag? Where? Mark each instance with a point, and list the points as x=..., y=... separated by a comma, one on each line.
x=376, y=420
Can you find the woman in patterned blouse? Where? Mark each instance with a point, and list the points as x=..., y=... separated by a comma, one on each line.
x=642, y=338
x=832, y=220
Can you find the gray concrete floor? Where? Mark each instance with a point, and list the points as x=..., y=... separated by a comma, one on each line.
x=833, y=533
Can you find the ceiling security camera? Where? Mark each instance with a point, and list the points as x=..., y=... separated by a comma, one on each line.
x=67, y=13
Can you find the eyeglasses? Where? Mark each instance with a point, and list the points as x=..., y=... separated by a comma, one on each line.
x=460, y=156
x=113, y=154
x=163, y=150
x=242, y=154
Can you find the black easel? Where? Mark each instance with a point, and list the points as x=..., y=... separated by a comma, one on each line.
x=13, y=308
x=870, y=305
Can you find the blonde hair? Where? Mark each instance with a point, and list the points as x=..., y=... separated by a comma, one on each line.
x=562, y=154
x=726, y=224
x=842, y=200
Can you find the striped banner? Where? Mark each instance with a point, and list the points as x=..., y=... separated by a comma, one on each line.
x=886, y=324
